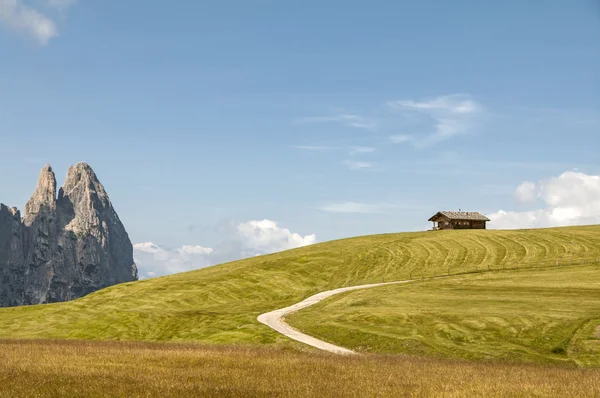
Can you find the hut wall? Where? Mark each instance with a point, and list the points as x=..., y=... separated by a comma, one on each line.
x=444, y=223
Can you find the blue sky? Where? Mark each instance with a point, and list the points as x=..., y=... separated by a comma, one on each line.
x=332, y=118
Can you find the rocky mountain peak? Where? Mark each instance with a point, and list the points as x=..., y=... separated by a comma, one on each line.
x=82, y=181
x=83, y=193
x=13, y=211
x=65, y=247
x=43, y=200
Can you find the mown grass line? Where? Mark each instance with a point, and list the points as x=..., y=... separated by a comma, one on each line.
x=532, y=314
x=219, y=304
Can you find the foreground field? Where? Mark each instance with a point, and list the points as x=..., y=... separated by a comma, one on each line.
x=535, y=315
x=220, y=304
x=89, y=369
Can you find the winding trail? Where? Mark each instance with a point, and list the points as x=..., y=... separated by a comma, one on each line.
x=275, y=319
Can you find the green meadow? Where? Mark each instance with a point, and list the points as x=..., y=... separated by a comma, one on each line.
x=219, y=304
x=544, y=315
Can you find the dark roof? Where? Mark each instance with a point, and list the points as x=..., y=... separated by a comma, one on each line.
x=461, y=215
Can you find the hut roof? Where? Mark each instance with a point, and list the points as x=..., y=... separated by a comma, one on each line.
x=460, y=215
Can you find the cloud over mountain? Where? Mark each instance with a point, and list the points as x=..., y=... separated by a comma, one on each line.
x=244, y=240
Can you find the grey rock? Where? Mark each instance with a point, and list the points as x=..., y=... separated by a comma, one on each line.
x=64, y=247
x=12, y=256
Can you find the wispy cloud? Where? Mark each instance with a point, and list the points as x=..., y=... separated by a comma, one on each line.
x=352, y=150
x=348, y=119
x=361, y=150
x=16, y=15
x=358, y=165
x=365, y=208
x=315, y=148
x=21, y=18
x=400, y=138
x=452, y=115
x=455, y=104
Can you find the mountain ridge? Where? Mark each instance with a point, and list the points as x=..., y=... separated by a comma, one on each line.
x=67, y=244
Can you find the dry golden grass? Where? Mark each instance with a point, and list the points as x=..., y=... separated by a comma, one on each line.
x=77, y=368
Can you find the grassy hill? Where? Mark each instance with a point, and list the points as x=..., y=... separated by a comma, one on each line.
x=533, y=315
x=220, y=304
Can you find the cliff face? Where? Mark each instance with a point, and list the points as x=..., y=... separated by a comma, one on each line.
x=64, y=247
x=12, y=256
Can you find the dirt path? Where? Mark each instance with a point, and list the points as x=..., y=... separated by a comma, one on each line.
x=275, y=319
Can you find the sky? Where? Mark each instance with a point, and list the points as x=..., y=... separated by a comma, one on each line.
x=226, y=129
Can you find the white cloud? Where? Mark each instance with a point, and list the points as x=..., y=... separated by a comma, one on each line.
x=21, y=18
x=266, y=236
x=147, y=247
x=18, y=16
x=246, y=240
x=452, y=115
x=357, y=165
x=454, y=104
x=154, y=260
x=195, y=250
x=526, y=192
x=573, y=198
x=348, y=119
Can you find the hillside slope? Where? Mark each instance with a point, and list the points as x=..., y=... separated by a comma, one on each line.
x=549, y=314
x=220, y=304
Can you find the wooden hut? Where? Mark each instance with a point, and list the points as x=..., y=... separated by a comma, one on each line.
x=458, y=220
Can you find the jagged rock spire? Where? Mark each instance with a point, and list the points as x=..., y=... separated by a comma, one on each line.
x=43, y=199
x=65, y=247
x=87, y=197
x=82, y=180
